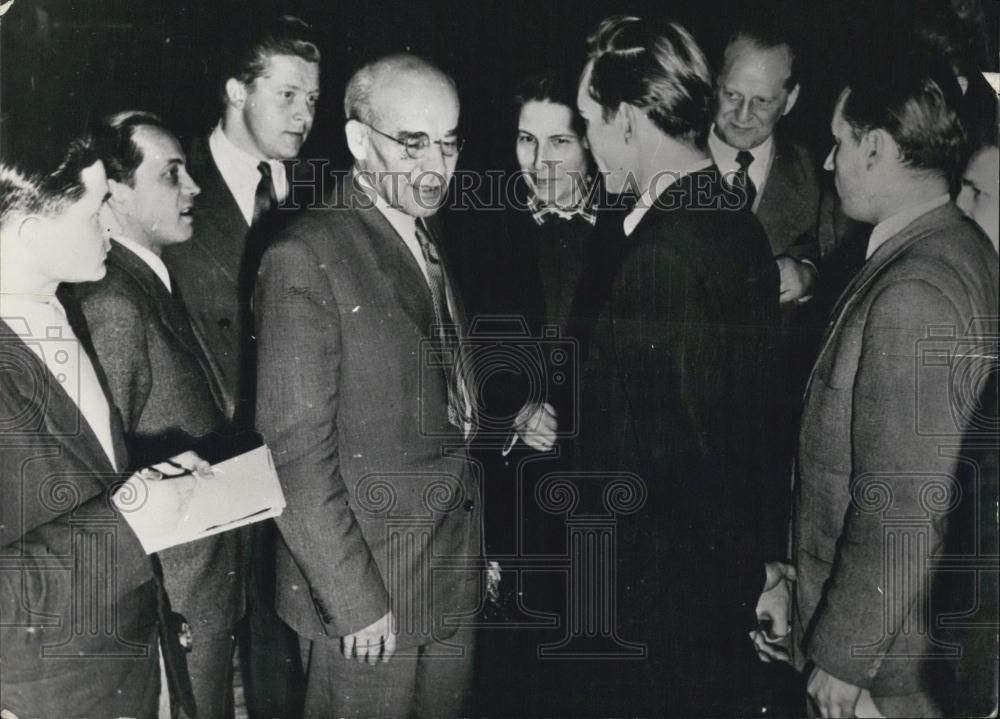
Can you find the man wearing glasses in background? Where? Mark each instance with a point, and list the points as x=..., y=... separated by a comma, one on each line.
x=368, y=410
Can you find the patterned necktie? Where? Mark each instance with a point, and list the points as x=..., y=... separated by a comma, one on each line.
x=264, y=199
x=742, y=179
x=445, y=331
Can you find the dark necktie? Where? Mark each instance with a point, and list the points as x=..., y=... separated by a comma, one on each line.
x=445, y=331
x=264, y=199
x=742, y=180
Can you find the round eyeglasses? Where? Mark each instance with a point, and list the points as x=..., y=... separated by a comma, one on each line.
x=416, y=144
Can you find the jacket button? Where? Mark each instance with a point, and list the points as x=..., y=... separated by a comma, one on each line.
x=224, y=323
x=469, y=505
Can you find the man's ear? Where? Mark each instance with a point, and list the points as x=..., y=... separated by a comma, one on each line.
x=28, y=229
x=793, y=96
x=876, y=146
x=120, y=193
x=625, y=120
x=236, y=92
x=357, y=139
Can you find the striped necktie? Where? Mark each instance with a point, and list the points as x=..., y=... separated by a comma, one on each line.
x=445, y=330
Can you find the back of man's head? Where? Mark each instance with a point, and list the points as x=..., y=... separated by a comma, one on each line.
x=247, y=57
x=114, y=140
x=657, y=68
x=915, y=99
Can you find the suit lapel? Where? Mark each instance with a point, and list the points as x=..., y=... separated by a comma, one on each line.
x=883, y=257
x=168, y=306
x=216, y=207
x=61, y=416
x=173, y=316
x=782, y=197
x=395, y=260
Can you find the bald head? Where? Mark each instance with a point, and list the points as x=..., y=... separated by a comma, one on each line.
x=376, y=85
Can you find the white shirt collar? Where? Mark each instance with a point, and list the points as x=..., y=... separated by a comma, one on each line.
x=724, y=155
x=239, y=171
x=891, y=226
x=659, y=185
x=149, y=257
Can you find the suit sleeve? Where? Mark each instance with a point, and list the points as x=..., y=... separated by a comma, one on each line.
x=118, y=333
x=880, y=578
x=298, y=354
x=46, y=520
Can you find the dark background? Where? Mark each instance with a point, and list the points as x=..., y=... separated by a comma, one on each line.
x=65, y=63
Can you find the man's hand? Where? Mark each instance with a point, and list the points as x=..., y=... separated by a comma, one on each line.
x=770, y=639
x=797, y=279
x=536, y=425
x=168, y=486
x=374, y=642
x=833, y=697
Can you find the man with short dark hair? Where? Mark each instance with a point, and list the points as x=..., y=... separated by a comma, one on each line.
x=81, y=605
x=144, y=341
x=885, y=413
x=676, y=373
x=363, y=397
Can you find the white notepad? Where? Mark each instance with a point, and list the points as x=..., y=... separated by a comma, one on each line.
x=243, y=490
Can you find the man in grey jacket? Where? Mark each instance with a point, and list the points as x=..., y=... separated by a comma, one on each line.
x=892, y=396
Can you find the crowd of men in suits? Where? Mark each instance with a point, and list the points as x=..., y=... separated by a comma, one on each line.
x=776, y=495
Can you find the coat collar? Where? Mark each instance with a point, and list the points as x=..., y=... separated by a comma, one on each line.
x=893, y=248
x=393, y=258
x=219, y=227
x=169, y=307
x=39, y=392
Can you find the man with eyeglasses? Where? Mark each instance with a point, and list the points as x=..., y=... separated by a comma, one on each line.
x=365, y=402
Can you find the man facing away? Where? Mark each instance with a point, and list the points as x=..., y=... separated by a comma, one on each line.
x=367, y=406
x=676, y=373
x=144, y=342
x=884, y=417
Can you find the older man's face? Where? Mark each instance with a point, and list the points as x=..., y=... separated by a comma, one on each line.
x=750, y=94
x=405, y=107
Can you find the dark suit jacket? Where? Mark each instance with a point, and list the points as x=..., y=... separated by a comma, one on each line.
x=159, y=379
x=676, y=389
x=214, y=272
x=789, y=203
x=881, y=412
x=63, y=547
x=357, y=419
